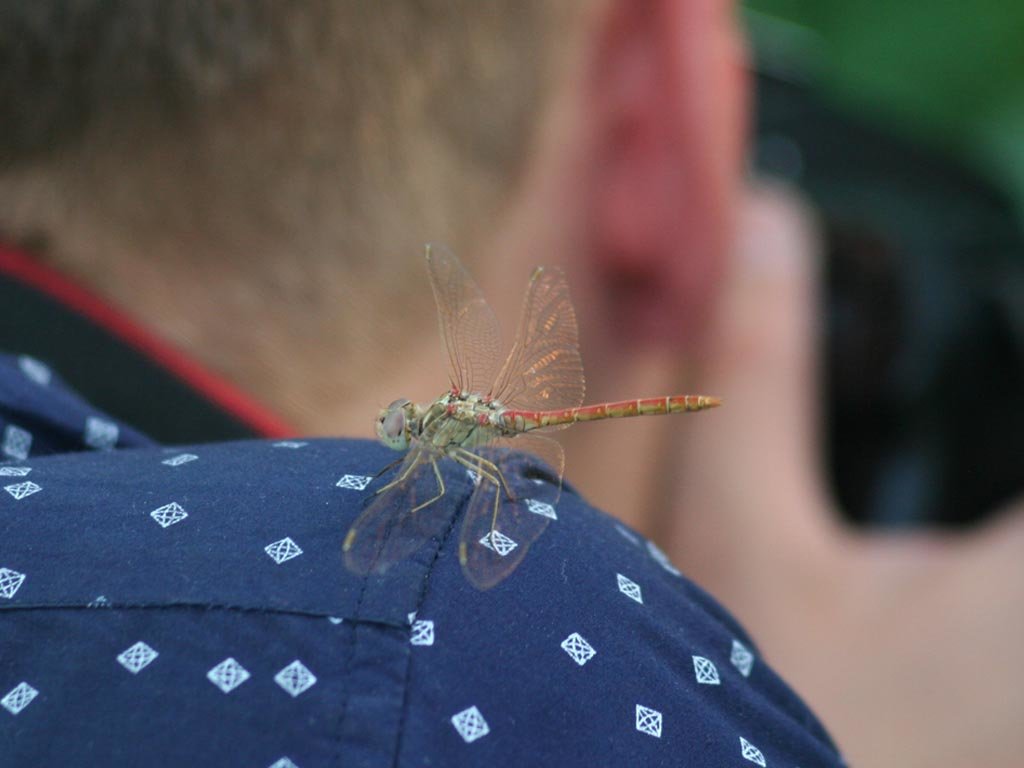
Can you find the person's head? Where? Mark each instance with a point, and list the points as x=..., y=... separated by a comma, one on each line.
x=251, y=122
x=256, y=179
x=359, y=130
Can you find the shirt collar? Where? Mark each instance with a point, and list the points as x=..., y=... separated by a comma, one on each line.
x=117, y=364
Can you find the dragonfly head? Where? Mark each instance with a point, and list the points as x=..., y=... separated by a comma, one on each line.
x=393, y=424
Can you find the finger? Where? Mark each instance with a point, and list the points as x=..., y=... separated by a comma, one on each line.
x=750, y=470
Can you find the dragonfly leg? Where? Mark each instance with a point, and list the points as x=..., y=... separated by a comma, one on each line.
x=473, y=464
x=401, y=478
x=440, y=487
x=484, y=467
x=497, y=498
x=394, y=463
x=488, y=470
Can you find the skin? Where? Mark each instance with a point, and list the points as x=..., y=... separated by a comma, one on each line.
x=685, y=278
x=897, y=641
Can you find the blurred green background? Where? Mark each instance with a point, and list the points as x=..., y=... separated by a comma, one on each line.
x=948, y=74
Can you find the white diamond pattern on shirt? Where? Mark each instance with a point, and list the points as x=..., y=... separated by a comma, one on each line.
x=752, y=753
x=169, y=514
x=354, y=482
x=14, y=471
x=541, y=508
x=99, y=602
x=19, y=697
x=496, y=541
x=662, y=559
x=283, y=550
x=741, y=658
x=284, y=762
x=578, y=648
x=295, y=678
x=17, y=442
x=335, y=619
x=630, y=588
x=288, y=444
x=706, y=671
x=422, y=632
x=648, y=721
x=474, y=476
x=10, y=582
x=627, y=534
x=181, y=458
x=20, y=490
x=138, y=657
x=100, y=433
x=36, y=370
x=228, y=675
x=470, y=724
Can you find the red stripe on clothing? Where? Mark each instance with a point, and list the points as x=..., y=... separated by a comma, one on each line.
x=50, y=282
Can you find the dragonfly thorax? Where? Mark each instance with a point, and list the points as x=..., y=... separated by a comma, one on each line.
x=471, y=420
x=462, y=419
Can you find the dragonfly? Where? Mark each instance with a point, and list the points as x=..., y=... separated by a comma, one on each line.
x=491, y=408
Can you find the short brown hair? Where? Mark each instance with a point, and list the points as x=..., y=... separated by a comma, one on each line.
x=471, y=72
x=398, y=121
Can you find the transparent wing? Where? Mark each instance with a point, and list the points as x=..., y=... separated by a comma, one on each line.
x=551, y=468
x=391, y=527
x=469, y=328
x=543, y=371
x=499, y=529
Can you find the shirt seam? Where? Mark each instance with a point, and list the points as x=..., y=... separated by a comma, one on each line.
x=227, y=607
x=419, y=604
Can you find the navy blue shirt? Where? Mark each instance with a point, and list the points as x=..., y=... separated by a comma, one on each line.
x=190, y=605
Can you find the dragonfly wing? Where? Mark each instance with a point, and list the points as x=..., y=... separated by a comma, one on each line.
x=469, y=328
x=391, y=527
x=498, y=530
x=543, y=371
x=551, y=467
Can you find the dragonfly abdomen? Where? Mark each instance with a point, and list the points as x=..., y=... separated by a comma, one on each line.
x=524, y=421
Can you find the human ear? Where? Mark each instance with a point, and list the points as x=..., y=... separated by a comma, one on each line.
x=667, y=95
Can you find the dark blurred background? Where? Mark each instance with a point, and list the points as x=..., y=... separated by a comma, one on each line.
x=904, y=124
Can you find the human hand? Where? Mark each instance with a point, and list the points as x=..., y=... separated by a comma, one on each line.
x=904, y=644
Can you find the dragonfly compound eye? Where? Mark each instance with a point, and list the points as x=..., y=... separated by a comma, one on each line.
x=391, y=429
